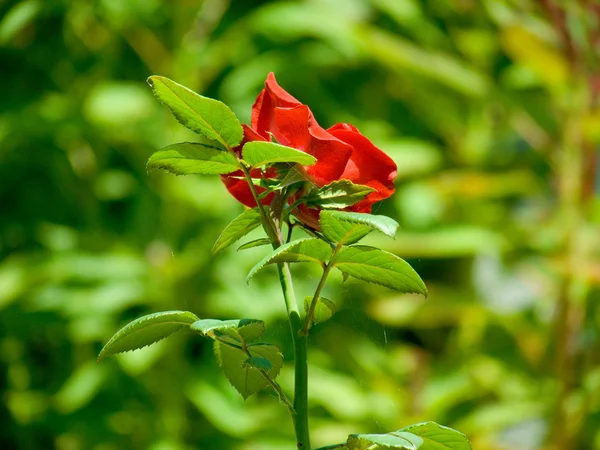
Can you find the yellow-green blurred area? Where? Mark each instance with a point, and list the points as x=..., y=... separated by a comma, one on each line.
x=489, y=108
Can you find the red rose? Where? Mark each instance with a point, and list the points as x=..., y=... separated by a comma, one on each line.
x=342, y=152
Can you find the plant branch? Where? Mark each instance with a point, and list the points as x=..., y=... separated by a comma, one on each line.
x=313, y=304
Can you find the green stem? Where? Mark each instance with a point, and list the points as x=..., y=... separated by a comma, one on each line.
x=300, y=359
x=300, y=407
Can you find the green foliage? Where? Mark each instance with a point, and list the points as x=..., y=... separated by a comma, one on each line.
x=474, y=101
x=193, y=159
x=206, y=116
x=421, y=436
x=301, y=250
x=237, y=229
x=239, y=368
x=347, y=228
x=324, y=309
x=146, y=331
x=379, y=267
x=258, y=154
x=338, y=194
x=242, y=330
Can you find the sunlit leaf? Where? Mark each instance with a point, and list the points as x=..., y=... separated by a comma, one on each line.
x=301, y=250
x=379, y=267
x=187, y=158
x=397, y=440
x=258, y=153
x=438, y=437
x=237, y=228
x=349, y=227
x=147, y=330
x=206, y=116
x=338, y=194
x=236, y=329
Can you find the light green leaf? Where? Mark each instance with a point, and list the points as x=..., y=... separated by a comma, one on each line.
x=235, y=330
x=438, y=437
x=301, y=250
x=147, y=330
x=237, y=228
x=397, y=440
x=258, y=363
x=349, y=227
x=245, y=378
x=187, y=158
x=254, y=243
x=324, y=309
x=258, y=153
x=208, y=117
x=379, y=267
x=338, y=194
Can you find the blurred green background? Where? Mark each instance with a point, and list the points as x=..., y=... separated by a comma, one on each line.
x=489, y=108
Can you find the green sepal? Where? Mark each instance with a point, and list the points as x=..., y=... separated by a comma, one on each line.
x=187, y=158
x=206, y=116
x=379, y=267
x=347, y=228
x=301, y=250
x=237, y=228
x=146, y=330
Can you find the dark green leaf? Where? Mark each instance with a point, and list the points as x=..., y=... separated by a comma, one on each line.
x=349, y=227
x=258, y=363
x=237, y=228
x=438, y=437
x=254, y=243
x=324, y=309
x=258, y=153
x=338, y=194
x=247, y=379
x=208, y=117
x=379, y=267
x=398, y=440
x=187, y=158
x=301, y=250
x=147, y=330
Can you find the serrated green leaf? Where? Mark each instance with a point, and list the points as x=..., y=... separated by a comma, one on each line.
x=237, y=228
x=338, y=195
x=247, y=380
x=236, y=329
x=379, y=267
x=258, y=153
x=346, y=228
x=438, y=437
x=301, y=250
x=146, y=330
x=206, y=116
x=187, y=158
x=255, y=243
x=397, y=440
x=258, y=363
x=324, y=309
